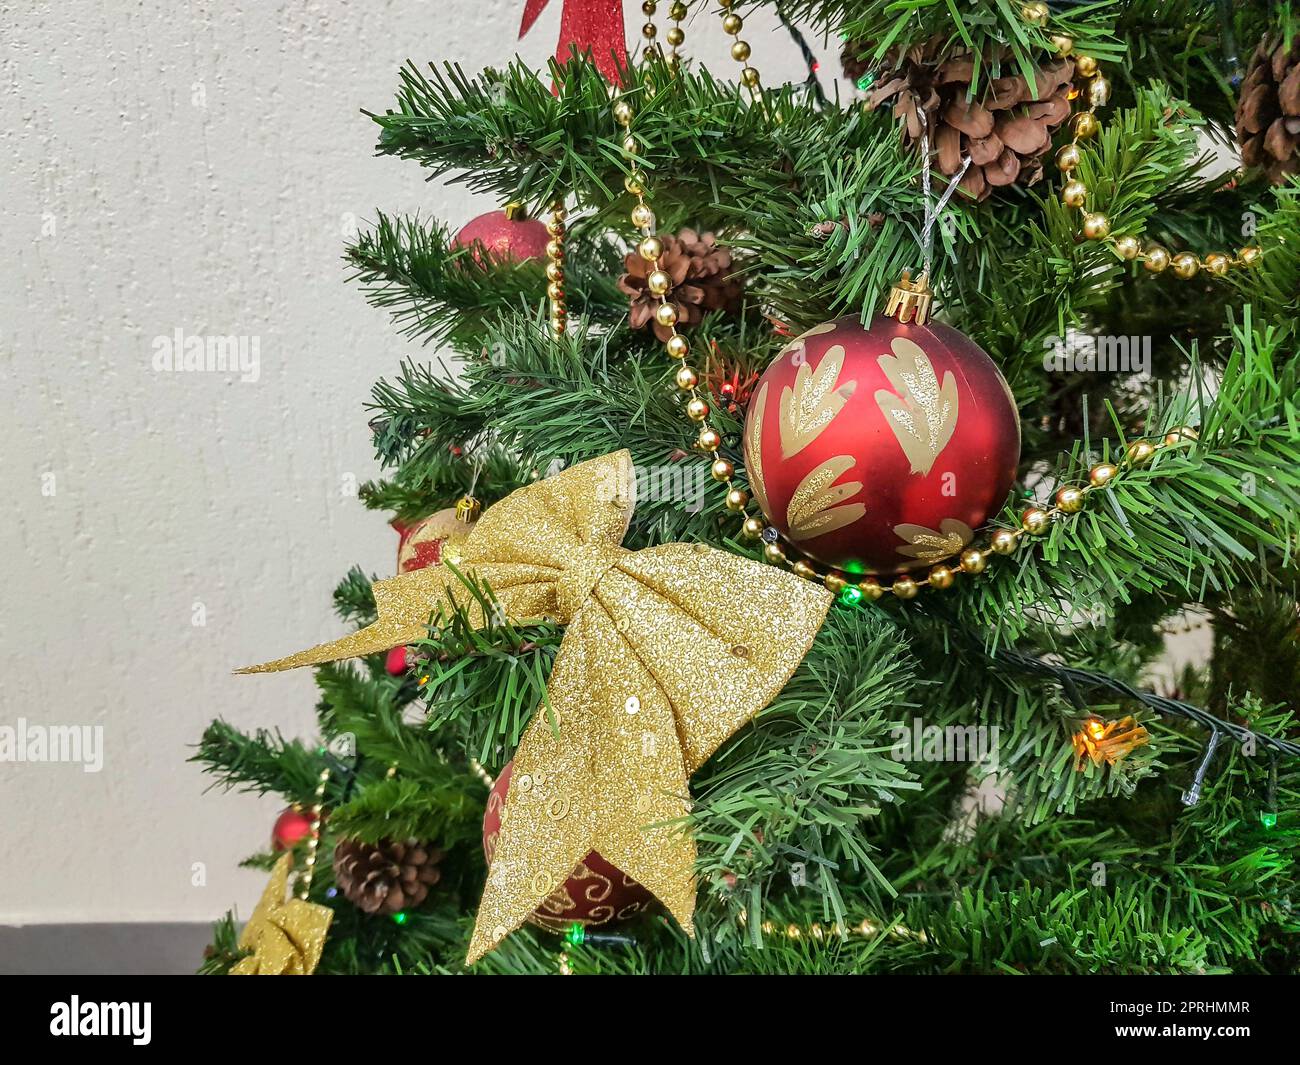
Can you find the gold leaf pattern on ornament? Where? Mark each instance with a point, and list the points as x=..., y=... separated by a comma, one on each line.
x=809, y=407
x=754, y=449
x=817, y=506
x=923, y=414
x=930, y=546
x=796, y=349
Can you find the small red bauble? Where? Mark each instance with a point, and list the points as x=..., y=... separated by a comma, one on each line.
x=503, y=238
x=291, y=826
x=395, y=663
x=596, y=895
x=881, y=449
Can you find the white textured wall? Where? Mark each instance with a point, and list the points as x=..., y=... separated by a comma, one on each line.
x=194, y=166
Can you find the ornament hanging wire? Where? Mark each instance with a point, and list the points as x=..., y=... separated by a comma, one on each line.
x=932, y=212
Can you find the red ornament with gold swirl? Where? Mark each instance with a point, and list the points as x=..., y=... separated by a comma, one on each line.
x=596, y=895
x=881, y=449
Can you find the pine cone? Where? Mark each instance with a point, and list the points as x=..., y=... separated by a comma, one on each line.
x=1268, y=112
x=387, y=876
x=1005, y=130
x=700, y=270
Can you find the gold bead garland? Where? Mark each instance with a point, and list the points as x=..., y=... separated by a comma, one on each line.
x=650, y=248
x=1035, y=520
x=1095, y=224
x=313, y=842
x=555, y=270
x=708, y=439
x=732, y=24
x=675, y=36
x=814, y=931
x=476, y=767
x=649, y=30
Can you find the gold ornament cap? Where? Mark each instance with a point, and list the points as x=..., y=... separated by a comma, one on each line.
x=468, y=509
x=515, y=211
x=909, y=301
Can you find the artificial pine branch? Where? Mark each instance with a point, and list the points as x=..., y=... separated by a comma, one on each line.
x=353, y=599
x=438, y=478
x=262, y=762
x=1273, y=288
x=446, y=809
x=439, y=294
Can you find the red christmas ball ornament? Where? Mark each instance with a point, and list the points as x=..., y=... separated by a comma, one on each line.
x=881, y=449
x=597, y=894
x=504, y=236
x=291, y=826
x=427, y=541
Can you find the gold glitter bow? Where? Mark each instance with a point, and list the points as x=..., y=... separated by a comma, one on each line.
x=286, y=938
x=668, y=651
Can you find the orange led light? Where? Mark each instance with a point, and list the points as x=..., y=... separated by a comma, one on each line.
x=1107, y=741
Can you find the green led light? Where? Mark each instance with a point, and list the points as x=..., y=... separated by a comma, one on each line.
x=1268, y=820
x=399, y=918
x=575, y=935
x=866, y=81
x=854, y=567
x=850, y=595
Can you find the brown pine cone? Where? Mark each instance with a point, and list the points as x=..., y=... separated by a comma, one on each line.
x=1268, y=112
x=387, y=876
x=1005, y=130
x=700, y=269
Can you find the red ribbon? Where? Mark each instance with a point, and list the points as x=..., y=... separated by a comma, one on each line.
x=594, y=26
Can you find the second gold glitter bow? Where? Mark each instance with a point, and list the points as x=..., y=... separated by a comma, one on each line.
x=668, y=651
x=286, y=938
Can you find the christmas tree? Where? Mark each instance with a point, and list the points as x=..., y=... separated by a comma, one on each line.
x=786, y=556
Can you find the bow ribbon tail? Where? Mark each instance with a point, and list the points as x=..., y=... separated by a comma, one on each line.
x=404, y=605
x=641, y=774
x=660, y=665
x=611, y=779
